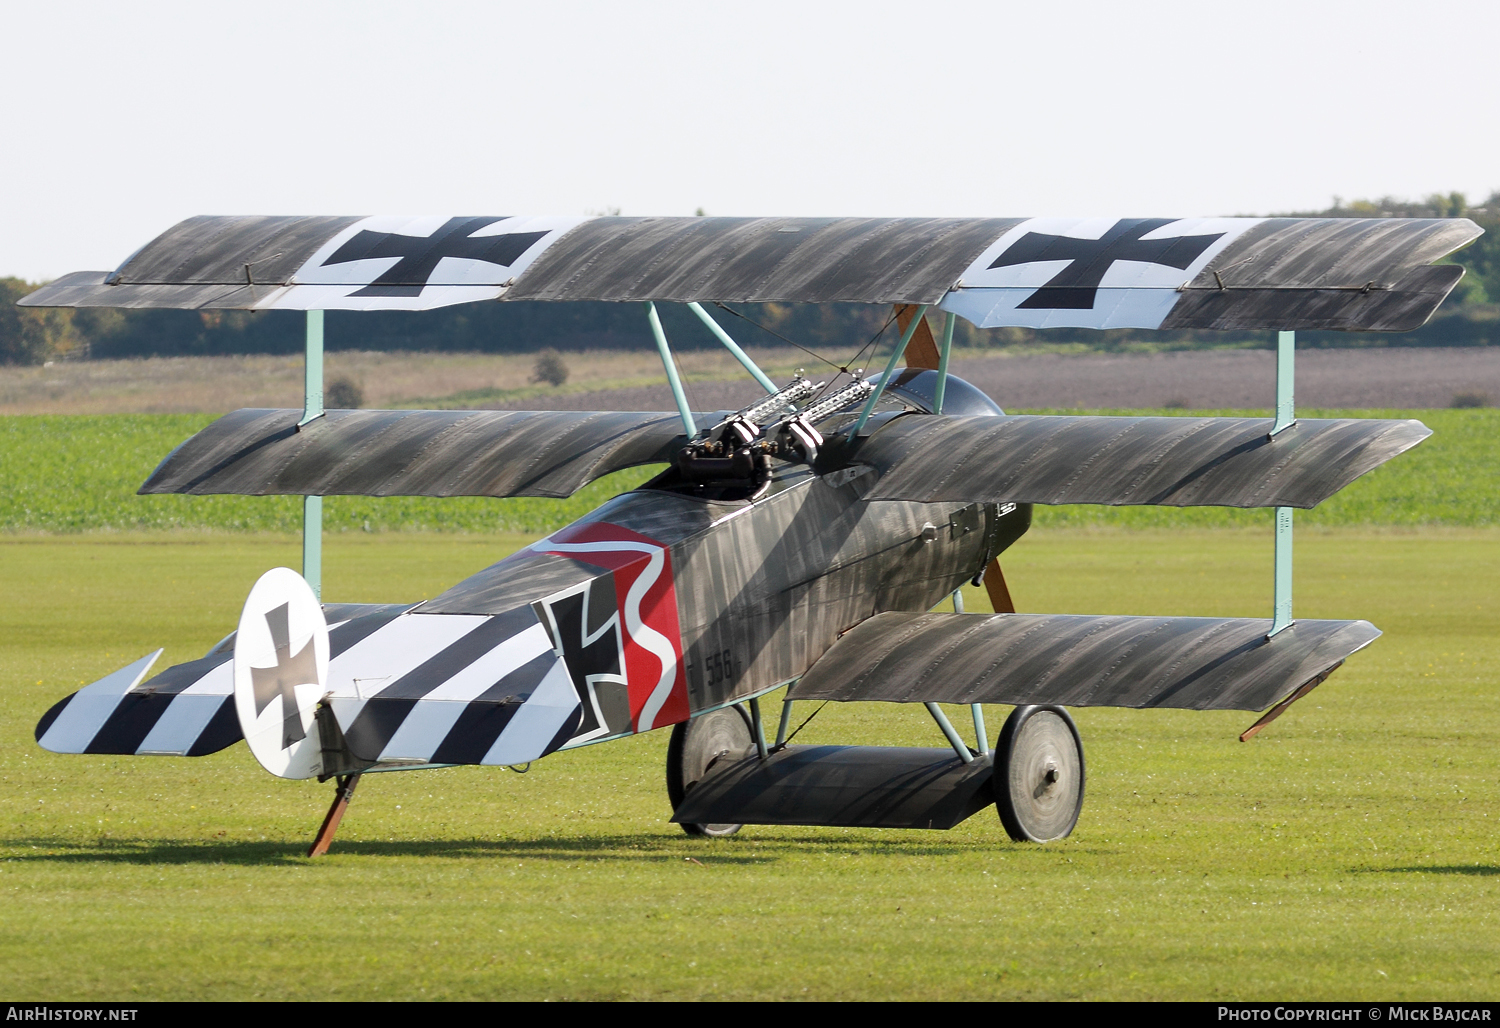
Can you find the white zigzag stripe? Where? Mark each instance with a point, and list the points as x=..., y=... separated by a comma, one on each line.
x=652, y=641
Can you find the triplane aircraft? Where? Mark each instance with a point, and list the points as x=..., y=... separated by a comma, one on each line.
x=803, y=541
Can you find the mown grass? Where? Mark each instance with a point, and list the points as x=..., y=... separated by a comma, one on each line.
x=1349, y=852
x=72, y=473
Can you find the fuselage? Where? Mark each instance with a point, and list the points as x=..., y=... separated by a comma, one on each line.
x=741, y=596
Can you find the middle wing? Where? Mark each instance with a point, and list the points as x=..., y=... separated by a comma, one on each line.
x=1175, y=462
x=415, y=452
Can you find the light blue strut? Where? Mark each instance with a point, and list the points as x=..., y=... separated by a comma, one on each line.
x=890, y=365
x=733, y=348
x=950, y=732
x=666, y=361
x=976, y=710
x=1286, y=417
x=942, y=381
x=312, y=409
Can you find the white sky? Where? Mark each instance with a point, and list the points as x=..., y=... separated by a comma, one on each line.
x=127, y=117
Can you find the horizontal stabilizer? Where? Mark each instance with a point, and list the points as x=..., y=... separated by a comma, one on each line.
x=405, y=688
x=1174, y=462
x=1079, y=660
x=454, y=689
x=415, y=452
x=186, y=710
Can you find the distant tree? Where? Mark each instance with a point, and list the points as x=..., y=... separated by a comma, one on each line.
x=549, y=368
x=343, y=394
x=32, y=335
x=1482, y=257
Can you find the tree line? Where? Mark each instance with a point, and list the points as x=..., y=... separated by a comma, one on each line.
x=1471, y=317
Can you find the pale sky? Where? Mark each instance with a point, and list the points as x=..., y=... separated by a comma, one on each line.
x=125, y=118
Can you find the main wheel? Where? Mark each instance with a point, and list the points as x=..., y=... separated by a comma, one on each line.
x=1039, y=774
x=696, y=746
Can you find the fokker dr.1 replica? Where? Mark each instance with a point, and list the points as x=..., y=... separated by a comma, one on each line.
x=804, y=540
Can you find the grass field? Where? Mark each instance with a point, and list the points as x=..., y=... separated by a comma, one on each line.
x=1349, y=851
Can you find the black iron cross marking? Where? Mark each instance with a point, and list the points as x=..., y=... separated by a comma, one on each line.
x=420, y=254
x=589, y=625
x=1076, y=286
x=291, y=670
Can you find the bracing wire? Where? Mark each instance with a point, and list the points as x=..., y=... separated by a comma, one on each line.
x=771, y=331
x=842, y=368
x=873, y=341
x=804, y=723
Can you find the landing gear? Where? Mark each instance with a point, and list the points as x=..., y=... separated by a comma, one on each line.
x=695, y=746
x=1039, y=774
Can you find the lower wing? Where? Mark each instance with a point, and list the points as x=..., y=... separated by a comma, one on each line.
x=1080, y=660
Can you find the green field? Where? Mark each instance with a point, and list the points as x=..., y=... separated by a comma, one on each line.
x=1348, y=851
x=78, y=473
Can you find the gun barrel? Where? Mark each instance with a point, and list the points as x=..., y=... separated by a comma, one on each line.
x=758, y=413
x=852, y=393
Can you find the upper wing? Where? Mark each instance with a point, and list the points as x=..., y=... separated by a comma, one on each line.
x=1214, y=273
x=1079, y=660
x=1175, y=462
x=415, y=452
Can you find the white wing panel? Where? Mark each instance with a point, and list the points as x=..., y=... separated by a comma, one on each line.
x=1089, y=272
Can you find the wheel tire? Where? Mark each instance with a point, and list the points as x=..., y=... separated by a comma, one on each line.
x=696, y=746
x=1039, y=774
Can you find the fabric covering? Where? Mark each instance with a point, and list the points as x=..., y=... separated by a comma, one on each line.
x=1174, y=462
x=415, y=453
x=1079, y=660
